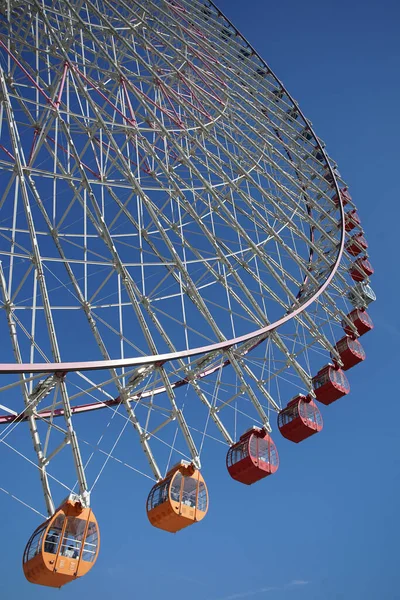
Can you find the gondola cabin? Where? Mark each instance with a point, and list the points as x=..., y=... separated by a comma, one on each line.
x=362, y=322
x=330, y=384
x=306, y=133
x=179, y=500
x=361, y=295
x=300, y=419
x=351, y=220
x=344, y=196
x=318, y=154
x=361, y=269
x=357, y=244
x=253, y=457
x=351, y=352
x=328, y=176
x=64, y=548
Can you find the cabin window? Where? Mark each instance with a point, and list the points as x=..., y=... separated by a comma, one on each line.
x=365, y=318
x=72, y=540
x=189, y=491
x=311, y=413
x=159, y=494
x=35, y=545
x=91, y=543
x=353, y=345
x=263, y=450
x=253, y=446
x=237, y=453
x=202, y=497
x=319, y=381
x=176, y=487
x=53, y=536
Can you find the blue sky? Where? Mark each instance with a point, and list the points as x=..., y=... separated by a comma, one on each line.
x=326, y=525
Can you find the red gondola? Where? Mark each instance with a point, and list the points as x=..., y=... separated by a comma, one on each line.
x=300, y=419
x=361, y=320
x=330, y=384
x=357, y=244
x=351, y=352
x=361, y=269
x=344, y=196
x=253, y=457
x=352, y=220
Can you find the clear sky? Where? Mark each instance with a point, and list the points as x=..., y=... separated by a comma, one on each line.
x=326, y=526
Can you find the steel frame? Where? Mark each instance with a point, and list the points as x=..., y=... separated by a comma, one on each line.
x=232, y=155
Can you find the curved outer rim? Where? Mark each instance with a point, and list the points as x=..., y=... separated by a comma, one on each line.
x=49, y=367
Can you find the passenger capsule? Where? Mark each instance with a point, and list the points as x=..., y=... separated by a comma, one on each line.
x=330, y=384
x=361, y=269
x=278, y=93
x=64, y=548
x=344, y=196
x=357, y=244
x=329, y=177
x=351, y=352
x=300, y=419
x=318, y=154
x=362, y=321
x=244, y=53
x=306, y=133
x=253, y=457
x=293, y=113
x=361, y=295
x=179, y=500
x=351, y=220
x=261, y=72
x=225, y=33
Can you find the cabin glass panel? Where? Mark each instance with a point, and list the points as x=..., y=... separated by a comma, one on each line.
x=289, y=414
x=342, y=380
x=356, y=347
x=35, y=544
x=238, y=453
x=253, y=446
x=73, y=535
x=334, y=376
x=365, y=318
x=158, y=494
x=320, y=380
x=189, y=491
x=91, y=543
x=176, y=487
x=202, y=497
x=53, y=537
x=266, y=451
x=310, y=412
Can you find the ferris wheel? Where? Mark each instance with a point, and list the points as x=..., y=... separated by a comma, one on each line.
x=179, y=256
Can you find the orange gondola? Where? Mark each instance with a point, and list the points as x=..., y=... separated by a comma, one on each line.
x=351, y=352
x=361, y=320
x=64, y=548
x=253, y=457
x=179, y=500
x=330, y=384
x=300, y=419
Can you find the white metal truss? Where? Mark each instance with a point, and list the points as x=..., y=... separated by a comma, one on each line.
x=171, y=229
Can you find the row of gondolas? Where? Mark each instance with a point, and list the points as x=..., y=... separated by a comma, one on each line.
x=66, y=546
